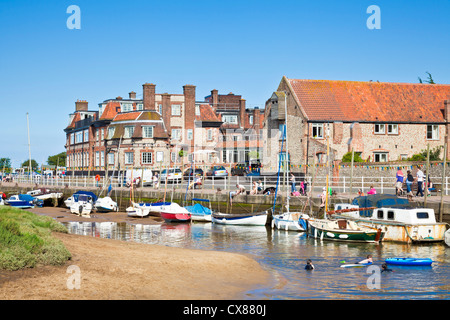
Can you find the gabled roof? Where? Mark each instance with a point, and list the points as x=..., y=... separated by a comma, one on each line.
x=358, y=101
x=207, y=114
x=138, y=116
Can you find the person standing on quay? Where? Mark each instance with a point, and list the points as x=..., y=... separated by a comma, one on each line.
x=419, y=176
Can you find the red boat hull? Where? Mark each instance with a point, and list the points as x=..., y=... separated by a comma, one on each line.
x=176, y=217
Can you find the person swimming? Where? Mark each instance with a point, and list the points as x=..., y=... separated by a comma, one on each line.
x=367, y=260
x=309, y=265
x=384, y=268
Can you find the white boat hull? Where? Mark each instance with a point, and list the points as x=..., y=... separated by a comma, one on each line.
x=199, y=217
x=289, y=221
x=232, y=219
x=447, y=237
x=106, y=204
x=81, y=208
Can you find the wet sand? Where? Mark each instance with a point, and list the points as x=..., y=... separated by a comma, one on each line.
x=114, y=269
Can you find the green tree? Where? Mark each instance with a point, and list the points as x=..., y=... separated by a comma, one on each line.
x=356, y=157
x=435, y=155
x=34, y=164
x=5, y=163
x=429, y=80
x=57, y=160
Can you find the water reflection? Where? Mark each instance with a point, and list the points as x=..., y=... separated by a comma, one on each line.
x=284, y=255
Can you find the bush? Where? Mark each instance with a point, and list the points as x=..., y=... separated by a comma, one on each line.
x=26, y=240
x=356, y=157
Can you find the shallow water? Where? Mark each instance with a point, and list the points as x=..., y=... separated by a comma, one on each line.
x=284, y=255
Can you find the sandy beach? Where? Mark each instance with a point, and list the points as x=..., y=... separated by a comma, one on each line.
x=113, y=269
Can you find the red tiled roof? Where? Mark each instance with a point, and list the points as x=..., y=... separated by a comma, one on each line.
x=332, y=100
x=76, y=118
x=207, y=114
x=110, y=110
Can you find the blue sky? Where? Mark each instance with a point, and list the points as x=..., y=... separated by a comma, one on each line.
x=244, y=47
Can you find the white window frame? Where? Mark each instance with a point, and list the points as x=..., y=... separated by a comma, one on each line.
x=147, y=157
x=434, y=130
x=381, y=155
x=129, y=157
x=126, y=107
x=111, y=158
x=250, y=119
x=128, y=131
x=139, y=106
x=190, y=134
x=147, y=131
x=176, y=134
x=197, y=110
x=318, y=128
x=86, y=135
x=176, y=109
x=379, y=128
x=229, y=118
x=392, y=128
x=111, y=131
x=209, y=134
x=97, y=158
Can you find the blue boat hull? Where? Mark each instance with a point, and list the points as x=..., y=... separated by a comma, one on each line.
x=409, y=261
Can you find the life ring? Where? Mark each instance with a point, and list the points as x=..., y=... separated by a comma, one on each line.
x=97, y=177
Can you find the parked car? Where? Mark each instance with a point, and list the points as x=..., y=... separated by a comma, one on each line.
x=192, y=172
x=239, y=169
x=217, y=171
x=175, y=174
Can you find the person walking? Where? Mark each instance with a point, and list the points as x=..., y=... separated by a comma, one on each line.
x=409, y=182
x=419, y=176
x=292, y=179
x=399, y=181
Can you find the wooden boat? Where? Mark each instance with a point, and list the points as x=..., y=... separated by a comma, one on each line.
x=410, y=261
x=200, y=212
x=175, y=213
x=251, y=219
x=396, y=217
x=343, y=230
x=290, y=221
x=106, y=204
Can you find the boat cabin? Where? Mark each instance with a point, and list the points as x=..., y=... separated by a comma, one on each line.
x=407, y=216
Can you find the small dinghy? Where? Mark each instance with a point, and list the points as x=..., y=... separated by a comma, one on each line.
x=409, y=261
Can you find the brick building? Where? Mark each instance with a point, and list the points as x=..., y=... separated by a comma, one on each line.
x=240, y=138
x=380, y=121
x=151, y=131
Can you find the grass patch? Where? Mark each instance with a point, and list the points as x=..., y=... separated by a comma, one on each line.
x=26, y=240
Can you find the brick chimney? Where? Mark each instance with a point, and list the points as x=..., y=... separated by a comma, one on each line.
x=242, y=112
x=189, y=106
x=214, y=98
x=166, y=110
x=256, y=119
x=149, y=96
x=132, y=95
x=81, y=105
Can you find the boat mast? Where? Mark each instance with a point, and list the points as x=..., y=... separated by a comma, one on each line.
x=287, y=151
x=29, y=147
x=328, y=166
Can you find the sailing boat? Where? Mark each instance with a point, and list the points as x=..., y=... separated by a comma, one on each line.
x=340, y=229
x=289, y=221
x=134, y=210
x=106, y=204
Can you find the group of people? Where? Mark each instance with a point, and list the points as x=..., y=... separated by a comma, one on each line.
x=368, y=260
x=420, y=178
x=303, y=187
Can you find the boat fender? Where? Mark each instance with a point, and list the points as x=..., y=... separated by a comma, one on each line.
x=80, y=209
